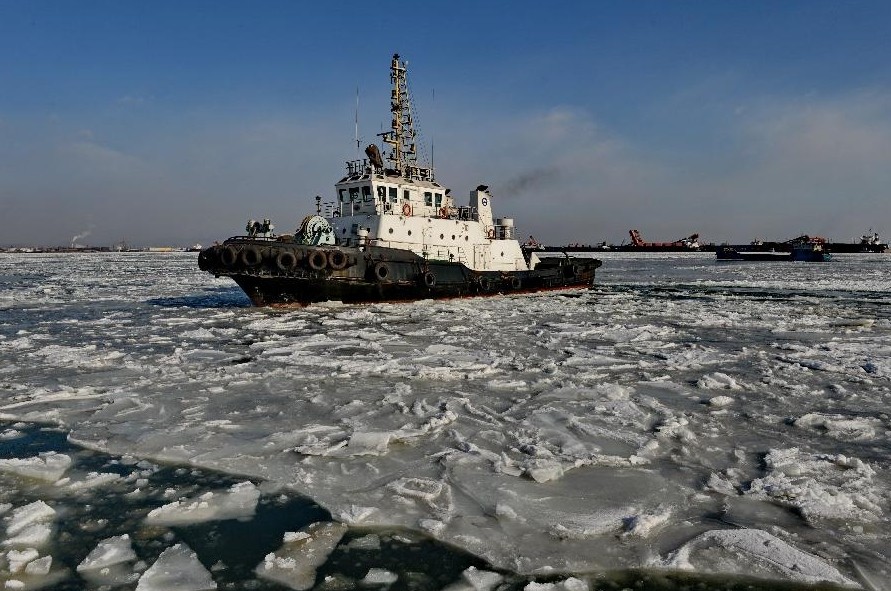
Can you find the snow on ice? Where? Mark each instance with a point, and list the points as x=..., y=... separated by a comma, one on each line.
x=545, y=433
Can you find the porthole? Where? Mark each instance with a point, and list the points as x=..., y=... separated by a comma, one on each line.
x=409, y=232
x=343, y=231
x=441, y=236
x=453, y=236
x=466, y=238
x=390, y=230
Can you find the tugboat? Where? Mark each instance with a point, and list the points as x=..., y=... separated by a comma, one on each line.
x=393, y=234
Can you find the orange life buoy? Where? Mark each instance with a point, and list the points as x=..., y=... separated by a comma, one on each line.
x=443, y=212
x=491, y=234
x=406, y=209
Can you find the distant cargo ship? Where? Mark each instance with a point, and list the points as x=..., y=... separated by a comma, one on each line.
x=868, y=243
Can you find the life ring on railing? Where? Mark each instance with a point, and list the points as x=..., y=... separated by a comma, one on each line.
x=251, y=257
x=382, y=271
x=406, y=209
x=429, y=279
x=337, y=260
x=317, y=260
x=286, y=260
x=228, y=256
x=491, y=234
x=444, y=212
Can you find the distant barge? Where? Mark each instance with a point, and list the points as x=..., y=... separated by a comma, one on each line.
x=869, y=243
x=806, y=249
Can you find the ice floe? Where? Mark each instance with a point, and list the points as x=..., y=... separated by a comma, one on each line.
x=753, y=552
x=49, y=466
x=176, y=569
x=294, y=564
x=240, y=501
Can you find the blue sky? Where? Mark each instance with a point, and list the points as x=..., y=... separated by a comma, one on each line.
x=174, y=122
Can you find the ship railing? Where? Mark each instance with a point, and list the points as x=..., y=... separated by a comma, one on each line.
x=505, y=232
x=419, y=173
x=272, y=238
x=440, y=254
x=359, y=167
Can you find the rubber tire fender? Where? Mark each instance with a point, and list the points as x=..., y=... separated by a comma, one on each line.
x=485, y=283
x=286, y=261
x=516, y=282
x=429, y=279
x=317, y=260
x=229, y=256
x=251, y=256
x=337, y=260
x=382, y=271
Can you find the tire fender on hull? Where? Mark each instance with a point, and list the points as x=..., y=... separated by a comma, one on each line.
x=382, y=271
x=229, y=256
x=317, y=260
x=251, y=256
x=286, y=261
x=337, y=260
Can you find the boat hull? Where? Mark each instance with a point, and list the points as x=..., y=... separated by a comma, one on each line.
x=281, y=273
x=731, y=254
x=805, y=254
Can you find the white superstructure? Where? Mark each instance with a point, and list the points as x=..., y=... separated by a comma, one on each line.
x=402, y=206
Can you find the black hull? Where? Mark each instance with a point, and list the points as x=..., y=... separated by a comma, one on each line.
x=275, y=273
x=754, y=256
x=831, y=247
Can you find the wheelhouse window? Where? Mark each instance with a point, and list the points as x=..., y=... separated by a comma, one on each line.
x=381, y=194
x=344, y=197
x=428, y=198
x=406, y=195
x=354, y=193
x=438, y=200
x=394, y=194
x=366, y=192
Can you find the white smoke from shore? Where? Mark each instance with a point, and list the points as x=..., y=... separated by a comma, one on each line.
x=77, y=237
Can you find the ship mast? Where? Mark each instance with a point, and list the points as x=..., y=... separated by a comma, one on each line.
x=401, y=137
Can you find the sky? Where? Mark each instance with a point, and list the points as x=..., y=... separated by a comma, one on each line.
x=174, y=122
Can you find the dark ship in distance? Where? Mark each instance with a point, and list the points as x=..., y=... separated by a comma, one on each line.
x=868, y=243
x=810, y=249
x=394, y=233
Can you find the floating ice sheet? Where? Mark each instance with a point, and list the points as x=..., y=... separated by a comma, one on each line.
x=177, y=569
x=574, y=433
x=48, y=466
x=294, y=564
x=753, y=552
x=240, y=501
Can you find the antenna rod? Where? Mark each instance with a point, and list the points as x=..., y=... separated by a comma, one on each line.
x=358, y=147
x=432, y=134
